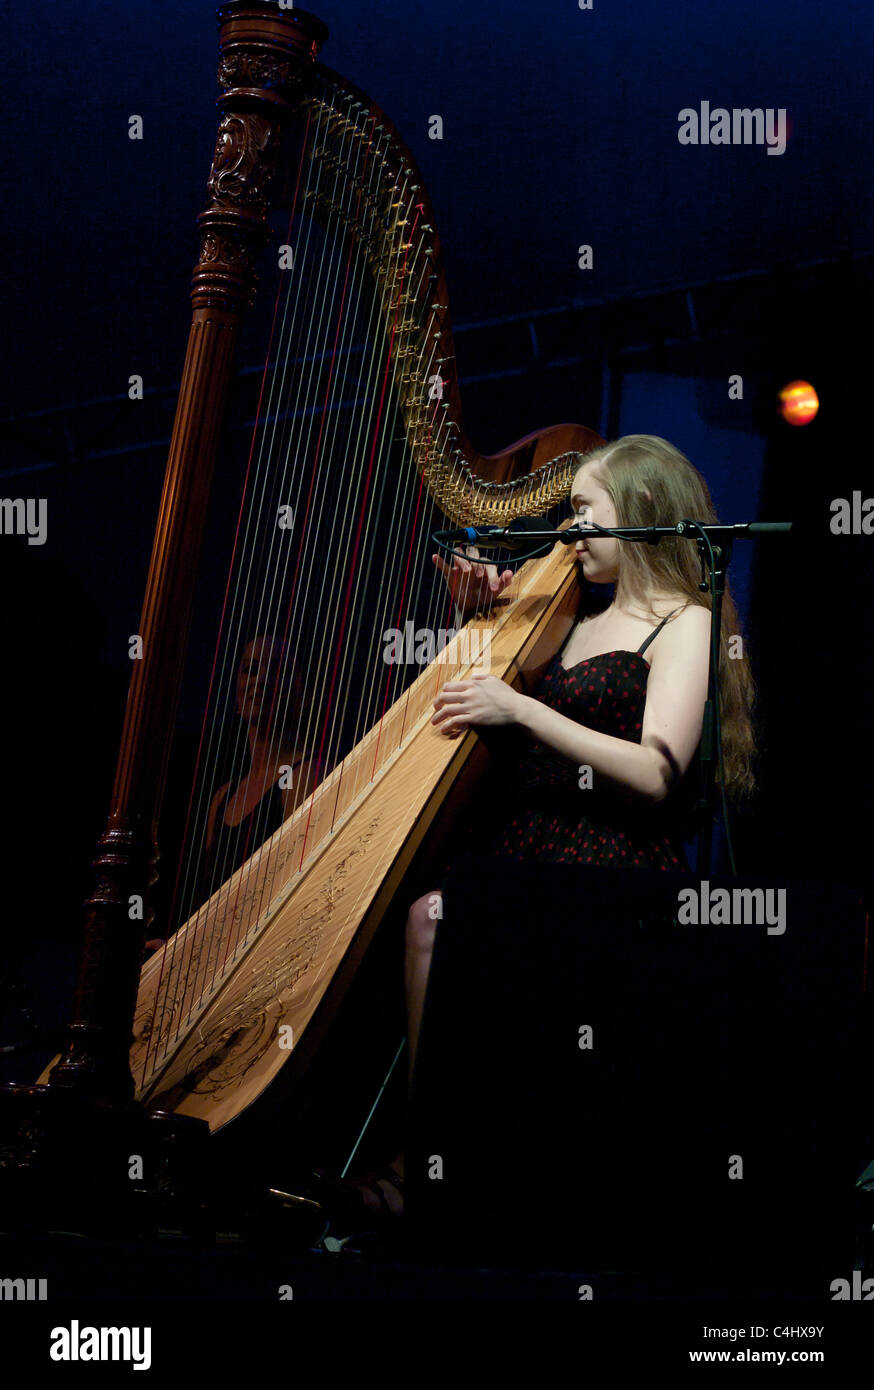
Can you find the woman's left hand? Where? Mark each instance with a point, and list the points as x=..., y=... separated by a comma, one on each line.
x=481, y=700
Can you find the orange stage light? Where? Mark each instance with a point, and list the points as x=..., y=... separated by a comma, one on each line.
x=798, y=403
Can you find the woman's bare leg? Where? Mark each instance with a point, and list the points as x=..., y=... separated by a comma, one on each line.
x=422, y=920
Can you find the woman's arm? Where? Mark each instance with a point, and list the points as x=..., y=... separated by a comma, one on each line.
x=675, y=695
x=306, y=776
x=213, y=812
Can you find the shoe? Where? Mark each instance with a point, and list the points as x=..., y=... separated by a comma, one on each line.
x=346, y=1197
x=373, y=1183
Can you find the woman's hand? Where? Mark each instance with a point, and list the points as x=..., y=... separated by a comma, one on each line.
x=471, y=585
x=481, y=700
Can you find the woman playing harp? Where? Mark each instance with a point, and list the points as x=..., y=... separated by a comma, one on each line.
x=607, y=742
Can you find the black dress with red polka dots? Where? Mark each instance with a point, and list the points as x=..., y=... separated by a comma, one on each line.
x=550, y=813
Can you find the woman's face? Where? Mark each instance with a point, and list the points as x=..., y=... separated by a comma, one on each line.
x=590, y=502
x=256, y=677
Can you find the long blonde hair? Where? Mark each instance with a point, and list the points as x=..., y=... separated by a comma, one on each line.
x=652, y=484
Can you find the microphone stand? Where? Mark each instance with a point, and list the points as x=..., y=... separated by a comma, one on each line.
x=714, y=542
x=714, y=563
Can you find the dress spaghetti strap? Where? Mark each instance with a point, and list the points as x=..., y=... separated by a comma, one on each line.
x=655, y=632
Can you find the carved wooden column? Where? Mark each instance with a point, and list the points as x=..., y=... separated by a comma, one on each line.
x=265, y=52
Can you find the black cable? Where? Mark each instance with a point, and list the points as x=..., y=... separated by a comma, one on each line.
x=715, y=640
x=542, y=549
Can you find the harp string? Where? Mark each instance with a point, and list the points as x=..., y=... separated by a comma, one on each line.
x=346, y=652
x=364, y=707
x=313, y=356
x=332, y=718
x=407, y=482
x=421, y=519
x=379, y=430
x=298, y=451
x=205, y=777
x=187, y=976
x=390, y=690
x=326, y=661
x=275, y=563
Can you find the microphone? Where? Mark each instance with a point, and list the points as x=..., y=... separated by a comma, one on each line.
x=516, y=536
x=764, y=528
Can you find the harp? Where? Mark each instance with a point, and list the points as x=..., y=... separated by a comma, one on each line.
x=358, y=452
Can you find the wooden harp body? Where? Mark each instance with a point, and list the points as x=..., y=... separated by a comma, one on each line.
x=362, y=418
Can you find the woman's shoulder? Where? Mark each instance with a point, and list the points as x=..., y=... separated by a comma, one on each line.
x=685, y=630
x=219, y=795
x=679, y=610
x=669, y=610
x=689, y=613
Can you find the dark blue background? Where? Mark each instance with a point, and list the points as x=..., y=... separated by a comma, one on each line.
x=560, y=128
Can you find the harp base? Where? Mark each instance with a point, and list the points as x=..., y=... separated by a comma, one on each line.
x=75, y=1165
x=71, y=1163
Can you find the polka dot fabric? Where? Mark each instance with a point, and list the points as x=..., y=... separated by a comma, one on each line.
x=550, y=817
